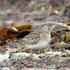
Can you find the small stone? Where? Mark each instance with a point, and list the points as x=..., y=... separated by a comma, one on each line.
x=5, y=68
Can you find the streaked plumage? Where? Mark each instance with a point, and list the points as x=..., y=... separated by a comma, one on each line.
x=32, y=38
x=37, y=40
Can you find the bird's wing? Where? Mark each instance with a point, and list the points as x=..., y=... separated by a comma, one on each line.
x=32, y=38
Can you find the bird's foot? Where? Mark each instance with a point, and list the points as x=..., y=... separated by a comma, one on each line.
x=46, y=52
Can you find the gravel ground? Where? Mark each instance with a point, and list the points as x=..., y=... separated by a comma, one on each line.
x=23, y=61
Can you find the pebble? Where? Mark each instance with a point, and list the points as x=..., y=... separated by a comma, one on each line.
x=48, y=62
x=5, y=68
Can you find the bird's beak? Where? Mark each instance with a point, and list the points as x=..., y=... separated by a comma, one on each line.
x=51, y=29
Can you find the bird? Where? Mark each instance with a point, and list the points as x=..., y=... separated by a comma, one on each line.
x=38, y=39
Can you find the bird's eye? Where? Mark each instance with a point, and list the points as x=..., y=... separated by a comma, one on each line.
x=48, y=28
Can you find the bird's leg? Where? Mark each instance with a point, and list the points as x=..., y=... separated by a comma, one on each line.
x=46, y=52
x=30, y=51
x=31, y=54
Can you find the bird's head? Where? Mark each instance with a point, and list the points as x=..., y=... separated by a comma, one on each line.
x=46, y=29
